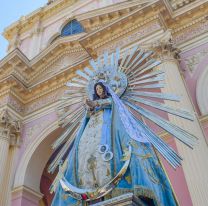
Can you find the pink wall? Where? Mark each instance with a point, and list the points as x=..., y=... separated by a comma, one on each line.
x=30, y=133
x=177, y=180
x=31, y=130
x=205, y=127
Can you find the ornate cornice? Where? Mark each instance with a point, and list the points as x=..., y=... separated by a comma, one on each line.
x=131, y=22
x=28, y=73
x=181, y=7
x=164, y=47
x=190, y=30
x=116, y=35
x=54, y=7
x=174, y=7
x=96, y=19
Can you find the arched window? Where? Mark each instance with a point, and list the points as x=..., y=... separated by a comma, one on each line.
x=73, y=27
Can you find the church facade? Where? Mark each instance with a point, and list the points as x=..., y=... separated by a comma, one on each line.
x=46, y=48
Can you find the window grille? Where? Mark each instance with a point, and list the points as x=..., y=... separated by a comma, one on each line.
x=73, y=27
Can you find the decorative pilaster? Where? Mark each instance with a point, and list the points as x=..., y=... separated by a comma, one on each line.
x=36, y=36
x=8, y=177
x=195, y=164
x=9, y=139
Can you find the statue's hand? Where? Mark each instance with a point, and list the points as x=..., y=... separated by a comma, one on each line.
x=90, y=103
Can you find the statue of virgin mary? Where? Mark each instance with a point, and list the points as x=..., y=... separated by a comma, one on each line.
x=106, y=149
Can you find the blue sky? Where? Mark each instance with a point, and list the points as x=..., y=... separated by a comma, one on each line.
x=11, y=11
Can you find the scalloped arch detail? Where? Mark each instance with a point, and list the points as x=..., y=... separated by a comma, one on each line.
x=202, y=92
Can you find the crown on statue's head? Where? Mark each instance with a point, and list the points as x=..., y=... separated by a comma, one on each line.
x=101, y=76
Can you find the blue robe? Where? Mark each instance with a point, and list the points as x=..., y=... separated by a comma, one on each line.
x=145, y=176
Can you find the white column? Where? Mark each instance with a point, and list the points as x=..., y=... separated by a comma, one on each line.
x=195, y=164
x=8, y=177
x=4, y=149
x=9, y=140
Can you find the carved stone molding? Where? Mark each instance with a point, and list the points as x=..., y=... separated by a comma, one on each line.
x=164, y=47
x=9, y=128
x=191, y=30
x=194, y=60
x=176, y=4
x=201, y=91
x=127, y=37
x=63, y=61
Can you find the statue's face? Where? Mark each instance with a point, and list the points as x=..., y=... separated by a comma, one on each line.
x=99, y=90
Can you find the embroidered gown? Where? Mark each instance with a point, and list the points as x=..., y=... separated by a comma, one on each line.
x=86, y=168
x=92, y=170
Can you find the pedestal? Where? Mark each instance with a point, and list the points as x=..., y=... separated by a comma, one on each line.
x=124, y=200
